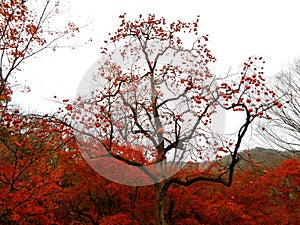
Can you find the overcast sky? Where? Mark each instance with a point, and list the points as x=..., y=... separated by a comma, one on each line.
x=238, y=29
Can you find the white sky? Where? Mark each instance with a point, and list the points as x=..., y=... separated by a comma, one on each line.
x=237, y=29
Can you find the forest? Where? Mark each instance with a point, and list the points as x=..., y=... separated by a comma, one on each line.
x=143, y=145
x=58, y=187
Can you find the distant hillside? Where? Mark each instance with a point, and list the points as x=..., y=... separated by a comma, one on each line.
x=263, y=157
x=266, y=158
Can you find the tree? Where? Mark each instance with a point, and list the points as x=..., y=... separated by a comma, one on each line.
x=262, y=194
x=30, y=172
x=286, y=134
x=152, y=105
x=25, y=31
x=29, y=146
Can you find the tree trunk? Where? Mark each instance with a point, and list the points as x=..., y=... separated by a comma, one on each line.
x=161, y=203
